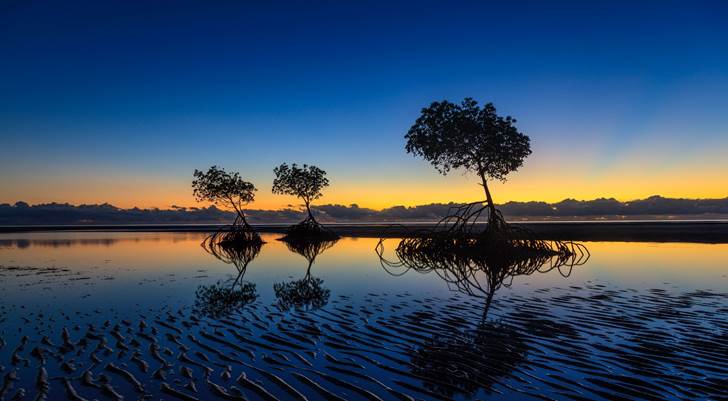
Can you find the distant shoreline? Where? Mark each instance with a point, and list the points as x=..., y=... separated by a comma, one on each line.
x=630, y=231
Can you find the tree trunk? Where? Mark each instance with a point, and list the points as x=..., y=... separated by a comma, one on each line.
x=241, y=214
x=308, y=209
x=486, y=308
x=488, y=198
x=239, y=278
x=239, y=211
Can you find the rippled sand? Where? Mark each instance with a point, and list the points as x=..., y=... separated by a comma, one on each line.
x=582, y=342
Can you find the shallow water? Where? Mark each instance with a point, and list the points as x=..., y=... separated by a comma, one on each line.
x=637, y=321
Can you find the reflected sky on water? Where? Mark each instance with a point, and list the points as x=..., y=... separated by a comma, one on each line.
x=637, y=318
x=172, y=264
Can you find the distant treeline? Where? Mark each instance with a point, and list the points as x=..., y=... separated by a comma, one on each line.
x=653, y=207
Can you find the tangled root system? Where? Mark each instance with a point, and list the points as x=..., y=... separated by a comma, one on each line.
x=236, y=252
x=238, y=234
x=309, y=229
x=460, y=232
x=478, y=263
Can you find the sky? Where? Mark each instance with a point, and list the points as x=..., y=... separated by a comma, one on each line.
x=121, y=101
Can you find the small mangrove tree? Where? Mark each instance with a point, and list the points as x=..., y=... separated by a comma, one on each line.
x=476, y=139
x=231, y=192
x=306, y=183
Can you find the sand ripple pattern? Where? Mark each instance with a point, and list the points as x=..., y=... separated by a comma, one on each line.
x=578, y=343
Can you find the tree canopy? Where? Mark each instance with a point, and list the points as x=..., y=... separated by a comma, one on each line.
x=467, y=136
x=226, y=189
x=305, y=182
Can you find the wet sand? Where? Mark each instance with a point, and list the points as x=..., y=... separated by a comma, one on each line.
x=374, y=336
x=641, y=231
x=580, y=342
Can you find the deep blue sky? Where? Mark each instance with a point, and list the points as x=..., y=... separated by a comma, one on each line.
x=120, y=101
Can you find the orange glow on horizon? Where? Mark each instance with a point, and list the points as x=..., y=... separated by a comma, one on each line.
x=546, y=178
x=396, y=194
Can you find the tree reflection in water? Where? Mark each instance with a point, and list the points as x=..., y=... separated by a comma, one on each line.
x=307, y=293
x=465, y=360
x=223, y=298
x=478, y=268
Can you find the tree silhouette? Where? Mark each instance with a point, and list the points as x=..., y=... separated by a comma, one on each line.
x=229, y=191
x=224, y=189
x=453, y=136
x=306, y=183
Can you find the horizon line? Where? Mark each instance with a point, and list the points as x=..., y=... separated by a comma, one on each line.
x=351, y=205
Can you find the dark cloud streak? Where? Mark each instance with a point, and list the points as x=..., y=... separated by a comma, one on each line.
x=651, y=208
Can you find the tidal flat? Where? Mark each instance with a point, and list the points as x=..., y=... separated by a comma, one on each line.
x=120, y=315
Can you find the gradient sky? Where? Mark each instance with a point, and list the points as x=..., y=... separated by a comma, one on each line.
x=120, y=101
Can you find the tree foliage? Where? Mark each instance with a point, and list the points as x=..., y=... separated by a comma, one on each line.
x=225, y=189
x=305, y=182
x=467, y=136
x=452, y=136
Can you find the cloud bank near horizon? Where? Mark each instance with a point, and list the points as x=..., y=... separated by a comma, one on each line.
x=22, y=213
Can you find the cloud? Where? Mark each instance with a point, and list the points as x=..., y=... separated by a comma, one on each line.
x=653, y=207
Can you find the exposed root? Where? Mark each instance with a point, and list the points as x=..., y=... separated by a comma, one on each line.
x=240, y=233
x=309, y=229
x=235, y=235
x=460, y=230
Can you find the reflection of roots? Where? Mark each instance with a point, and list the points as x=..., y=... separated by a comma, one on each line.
x=464, y=362
x=236, y=252
x=476, y=268
x=309, y=229
x=455, y=240
x=307, y=293
x=479, y=263
x=308, y=248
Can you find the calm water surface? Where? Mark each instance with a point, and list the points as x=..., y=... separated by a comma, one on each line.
x=108, y=315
